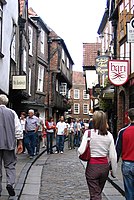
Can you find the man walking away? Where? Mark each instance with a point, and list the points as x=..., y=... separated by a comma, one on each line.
x=32, y=125
x=61, y=130
x=10, y=130
x=125, y=148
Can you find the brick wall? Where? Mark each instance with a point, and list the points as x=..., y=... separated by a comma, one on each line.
x=79, y=83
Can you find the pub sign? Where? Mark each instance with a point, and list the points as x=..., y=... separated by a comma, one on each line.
x=118, y=71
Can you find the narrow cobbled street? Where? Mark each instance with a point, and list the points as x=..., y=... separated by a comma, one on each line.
x=63, y=178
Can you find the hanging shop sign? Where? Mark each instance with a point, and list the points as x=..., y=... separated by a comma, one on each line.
x=19, y=82
x=118, y=71
x=130, y=31
x=102, y=64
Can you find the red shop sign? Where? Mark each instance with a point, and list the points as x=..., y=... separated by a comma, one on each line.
x=118, y=71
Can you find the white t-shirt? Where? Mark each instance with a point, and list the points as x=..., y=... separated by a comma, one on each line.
x=61, y=127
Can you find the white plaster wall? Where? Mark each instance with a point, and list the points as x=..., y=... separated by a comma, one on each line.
x=91, y=78
x=10, y=15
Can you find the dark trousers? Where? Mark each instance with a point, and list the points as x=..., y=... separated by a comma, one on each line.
x=77, y=139
x=50, y=137
x=38, y=140
x=96, y=176
x=71, y=140
x=60, y=142
x=9, y=160
x=30, y=142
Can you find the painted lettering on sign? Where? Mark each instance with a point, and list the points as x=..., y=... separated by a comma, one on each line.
x=118, y=71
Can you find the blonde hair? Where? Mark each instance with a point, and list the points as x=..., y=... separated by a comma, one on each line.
x=100, y=122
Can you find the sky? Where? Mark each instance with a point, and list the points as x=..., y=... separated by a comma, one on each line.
x=75, y=21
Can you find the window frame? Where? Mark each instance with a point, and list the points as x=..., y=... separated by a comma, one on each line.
x=40, y=80
x=87, y=95
x=75, y=94
x=85, y=113
x=29, y=81
x=42, y=41
x=24, y=60
x=69, y=94
x=13, y=48
x=30, y=29
x=63, y=86
x=77, y=113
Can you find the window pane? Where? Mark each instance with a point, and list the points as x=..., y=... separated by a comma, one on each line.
x=63, y=89
x=42, y=41
x=29, y=82
x=40, y=78
x=76, y=94
x=85, y=109
x=85, y=95
x=30, y=39
x=76, y=108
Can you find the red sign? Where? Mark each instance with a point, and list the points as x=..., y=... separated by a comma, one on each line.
x=118, y=71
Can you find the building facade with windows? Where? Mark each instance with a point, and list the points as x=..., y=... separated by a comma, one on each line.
x=79, y=98
x=121, y=13
x=8, y=23
x=59, y=76
x=37, y=64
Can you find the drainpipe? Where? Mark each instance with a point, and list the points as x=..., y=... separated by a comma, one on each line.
x=114, y=24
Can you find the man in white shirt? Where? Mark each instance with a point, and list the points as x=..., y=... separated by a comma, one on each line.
x=61, y=130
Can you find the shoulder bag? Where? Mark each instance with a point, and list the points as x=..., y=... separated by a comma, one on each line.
x=86, y=155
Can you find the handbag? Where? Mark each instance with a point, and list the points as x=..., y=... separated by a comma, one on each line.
x=86, y=155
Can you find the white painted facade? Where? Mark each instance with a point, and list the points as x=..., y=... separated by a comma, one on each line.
x=10, y=18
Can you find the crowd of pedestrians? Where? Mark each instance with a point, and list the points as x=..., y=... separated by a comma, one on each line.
x=24, y=134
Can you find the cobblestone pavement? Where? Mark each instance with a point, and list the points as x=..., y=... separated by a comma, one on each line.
x=63, y=178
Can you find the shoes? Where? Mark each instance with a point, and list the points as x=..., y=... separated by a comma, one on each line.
x=70, y=148
x=56, y=152
x=43, y=146
x=10, y=190
x=31, y=157
x=61, y=152
x=51, y=152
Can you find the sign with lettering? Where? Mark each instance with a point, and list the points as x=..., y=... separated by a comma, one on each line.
x=19, y=82
x=102, y=64
x=118, y=71
x=130, y=31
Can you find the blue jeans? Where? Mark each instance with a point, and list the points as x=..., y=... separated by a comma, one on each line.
x=128, y=178
x=77, y=139
x=60, y=143
x=50, y=137
x=30, y=142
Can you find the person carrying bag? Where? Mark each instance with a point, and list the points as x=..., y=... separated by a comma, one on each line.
x=102, y=153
